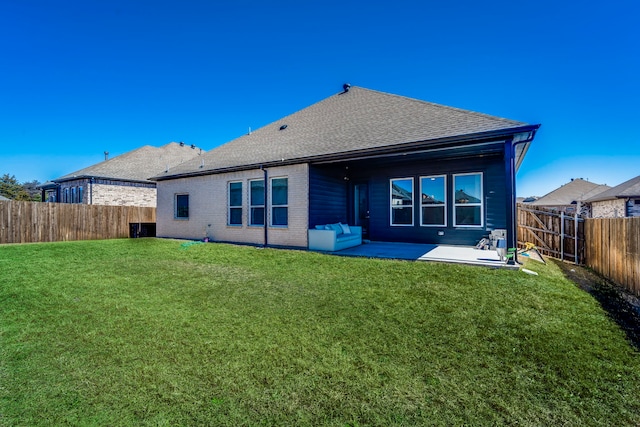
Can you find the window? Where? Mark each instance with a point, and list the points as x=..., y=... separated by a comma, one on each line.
x=182, y=206
x=256, y=202
x=235, y=203
x=402, y=201
x=74, y=195
x=80, y=195
x=468, y=200
x=279, y=201
x=65, y=196
x=433, y=202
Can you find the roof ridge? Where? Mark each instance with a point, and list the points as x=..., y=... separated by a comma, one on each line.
x=435, y=104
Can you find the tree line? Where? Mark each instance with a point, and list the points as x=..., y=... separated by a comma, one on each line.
x=12, y=189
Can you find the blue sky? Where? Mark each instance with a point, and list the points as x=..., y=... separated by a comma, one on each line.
x=82, y=77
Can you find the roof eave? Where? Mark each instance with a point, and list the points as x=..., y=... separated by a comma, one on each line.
x=110, y=178
x=468, y=139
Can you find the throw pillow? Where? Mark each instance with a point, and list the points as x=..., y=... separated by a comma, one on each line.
x=345, y=228
x=337, y=228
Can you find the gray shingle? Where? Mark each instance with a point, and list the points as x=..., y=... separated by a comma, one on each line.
x=140, y=164
x=630, y=188
x=578, y=190
x=360, y=119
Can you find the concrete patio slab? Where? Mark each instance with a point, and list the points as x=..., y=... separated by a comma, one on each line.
x=426, y=252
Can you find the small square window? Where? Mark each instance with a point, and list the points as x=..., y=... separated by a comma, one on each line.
x=182, y=206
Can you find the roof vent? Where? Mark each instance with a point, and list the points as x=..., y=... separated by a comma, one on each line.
x=346, y=87
x=181, y=144
x=106, y=156
x=283, y=127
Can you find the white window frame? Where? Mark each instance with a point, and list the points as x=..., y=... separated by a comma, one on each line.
x=229, y=207
x=175, y=207
x=480, y=205
x=251, y=206
x=391, y=205
x=443, y=205
x=272, y=205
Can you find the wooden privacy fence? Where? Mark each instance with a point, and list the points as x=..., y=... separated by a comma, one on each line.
x=555, y=234
x=613, y=250
x=26, y=222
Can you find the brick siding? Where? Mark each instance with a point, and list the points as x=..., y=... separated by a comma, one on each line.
x=118, y=195
x=608, y=209
x=208, y=205
x=112, y=193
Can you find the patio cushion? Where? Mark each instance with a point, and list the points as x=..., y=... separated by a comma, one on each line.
x=345, y=228
x=335, y=227
x=329, y=237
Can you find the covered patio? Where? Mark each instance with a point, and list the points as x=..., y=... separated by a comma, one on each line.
x=427, y=252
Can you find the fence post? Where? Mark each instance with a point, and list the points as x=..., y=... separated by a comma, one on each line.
x=562, y=236
x=575, y=233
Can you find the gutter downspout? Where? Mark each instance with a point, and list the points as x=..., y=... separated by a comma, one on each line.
x=91, y=191
x=510, y=164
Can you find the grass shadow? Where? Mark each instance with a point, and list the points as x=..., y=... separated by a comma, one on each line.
x=621, y=305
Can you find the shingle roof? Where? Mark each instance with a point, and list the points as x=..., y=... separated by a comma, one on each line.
x=138, y=165
x=629, y=188
x=357, y=120
x=578, y=190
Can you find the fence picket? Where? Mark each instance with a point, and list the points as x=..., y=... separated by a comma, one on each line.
x=29, y=222
x=613, y=250
x=553, y=233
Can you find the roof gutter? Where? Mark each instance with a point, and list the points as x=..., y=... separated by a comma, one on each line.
x=415, y=146
x=74, y=178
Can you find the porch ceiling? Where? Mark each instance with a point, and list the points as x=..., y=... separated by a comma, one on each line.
x=483, y=150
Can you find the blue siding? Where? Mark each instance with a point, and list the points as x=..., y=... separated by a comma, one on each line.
x=331, y=199
x=492, y=169
x=328, y=202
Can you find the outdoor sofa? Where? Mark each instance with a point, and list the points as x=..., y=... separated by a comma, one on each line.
x=334, y=237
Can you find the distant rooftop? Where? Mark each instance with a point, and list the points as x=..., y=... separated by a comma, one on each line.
x=577, y=190
x=630, y=188
x=138, y=165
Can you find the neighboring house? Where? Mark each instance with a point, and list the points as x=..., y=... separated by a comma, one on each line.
x=404, y=169
x=527, y=199
x=570, y=198
x=620, y=201
x=3, y=198
x=122, y=180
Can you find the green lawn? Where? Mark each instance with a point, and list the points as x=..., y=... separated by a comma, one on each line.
x=156, y=332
